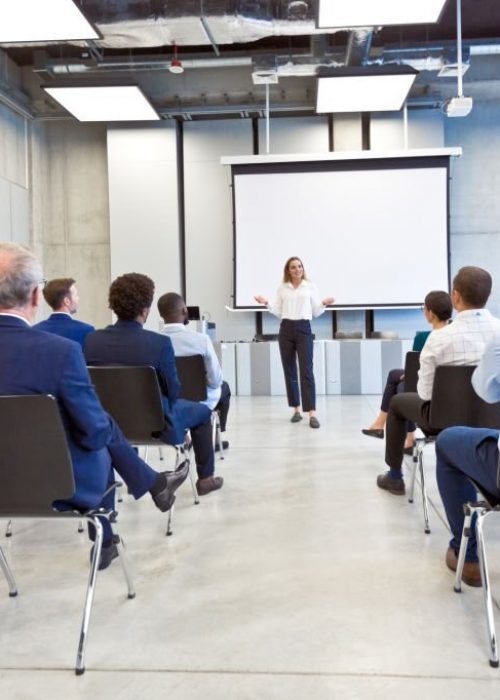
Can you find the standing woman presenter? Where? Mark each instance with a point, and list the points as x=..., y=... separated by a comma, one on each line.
x=296, y=304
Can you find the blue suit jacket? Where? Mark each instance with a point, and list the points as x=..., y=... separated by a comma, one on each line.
x=128, y=343
x=34, y=362
x=63, y=324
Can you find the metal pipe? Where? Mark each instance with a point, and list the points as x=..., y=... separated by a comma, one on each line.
x=459, y=49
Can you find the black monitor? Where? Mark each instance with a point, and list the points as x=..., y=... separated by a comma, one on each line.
x=193, y=313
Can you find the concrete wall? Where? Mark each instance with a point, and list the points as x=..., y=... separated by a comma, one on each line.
x=71, y=212
x=14, y=179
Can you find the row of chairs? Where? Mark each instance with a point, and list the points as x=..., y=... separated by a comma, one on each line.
x=34, y=451
x=454, y=402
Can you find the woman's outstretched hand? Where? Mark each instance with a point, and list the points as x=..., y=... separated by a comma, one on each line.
x=261, y=300
x=328, y=301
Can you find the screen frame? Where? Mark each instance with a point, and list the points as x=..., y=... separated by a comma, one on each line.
x=264, y=166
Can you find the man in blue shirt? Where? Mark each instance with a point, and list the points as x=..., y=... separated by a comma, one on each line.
x=174, y=313
x=61, y=295
x=470, y=452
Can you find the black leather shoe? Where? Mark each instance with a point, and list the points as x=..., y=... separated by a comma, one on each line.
x=225, y=446
x=210, y=483
x=394, y=486
x=108, y=553
x=163, y=492
x=296, y=418
x=374, y=432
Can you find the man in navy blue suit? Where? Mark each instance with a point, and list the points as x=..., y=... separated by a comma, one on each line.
x=128, y=343
x=35, y=362
x=61, y=295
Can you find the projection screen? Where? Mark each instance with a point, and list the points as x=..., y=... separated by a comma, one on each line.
x=371, y=233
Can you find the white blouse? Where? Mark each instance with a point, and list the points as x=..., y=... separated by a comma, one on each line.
x=297, y=303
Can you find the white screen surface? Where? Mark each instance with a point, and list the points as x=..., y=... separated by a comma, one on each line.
x=368, y=237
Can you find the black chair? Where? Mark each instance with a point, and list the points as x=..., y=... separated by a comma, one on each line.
x=36, y=472
x=193, y=378
x=132, y=396
x=412, y=365
x=481, y=510
x=454, y=402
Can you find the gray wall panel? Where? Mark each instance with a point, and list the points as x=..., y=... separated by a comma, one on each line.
x=350, y=367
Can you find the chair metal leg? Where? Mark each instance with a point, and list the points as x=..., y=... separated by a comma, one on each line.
x=216, y=434
x=485, y=579
x=468, y=512
x=89, y=598
x=8, y=574
x=417, y=449
x=8, y=529
x=169, y=521
x=193, y=487
x=425, y=504
x=160, y=450
x=146, y=450
x=80, y=526
x=120, y=545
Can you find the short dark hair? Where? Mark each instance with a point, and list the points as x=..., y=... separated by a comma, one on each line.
x=130, y=294
x=474, y=285
x=170, y=305
x=440, y=304
x=55, y=290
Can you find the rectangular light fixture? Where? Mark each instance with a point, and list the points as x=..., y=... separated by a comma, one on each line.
x=373, y=89
x=35, y=20
x=373, y=13
x=115, y=103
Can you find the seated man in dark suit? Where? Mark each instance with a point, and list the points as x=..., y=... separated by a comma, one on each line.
x=35, y=362
x=128, y=343
x=62, y=296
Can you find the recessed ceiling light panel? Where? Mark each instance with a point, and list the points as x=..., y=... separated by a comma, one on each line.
x=363, y=93
x=35, y=20
x=122, y=103
x=372, y=13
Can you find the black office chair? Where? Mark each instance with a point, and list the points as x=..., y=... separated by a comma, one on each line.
x=481, y=509
x=412, y=365
x=193, y=378
x=454, y=402
x=36, y=472
x=132, y=396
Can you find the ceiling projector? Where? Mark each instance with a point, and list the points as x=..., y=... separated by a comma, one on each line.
x=458, y=106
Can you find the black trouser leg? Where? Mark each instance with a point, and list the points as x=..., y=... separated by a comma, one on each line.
x=391, y=388
x=223, y=405
x=288, y=354
x=305, y=348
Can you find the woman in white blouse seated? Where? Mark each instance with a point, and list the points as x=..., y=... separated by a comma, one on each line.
x=296, y=304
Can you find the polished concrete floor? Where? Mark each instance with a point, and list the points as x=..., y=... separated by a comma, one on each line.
x=300, y=579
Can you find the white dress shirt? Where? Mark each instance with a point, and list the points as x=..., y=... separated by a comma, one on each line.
x=486, y=377
x=460, y=343
x=297, y=303
x=187, y=342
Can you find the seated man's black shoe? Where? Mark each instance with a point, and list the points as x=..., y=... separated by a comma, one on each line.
x=225, y=446
x=394, y=486
x=109, y=551
x=167, y=483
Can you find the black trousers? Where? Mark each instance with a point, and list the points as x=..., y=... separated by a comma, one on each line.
x=223, y=405
x=404, y=407
x=296, y=341
x=393, y=386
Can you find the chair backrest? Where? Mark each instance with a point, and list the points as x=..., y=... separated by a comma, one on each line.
x=412, y=365
x=132, y=396
x=193, y=377
x=454, y=401
x=35, y=463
